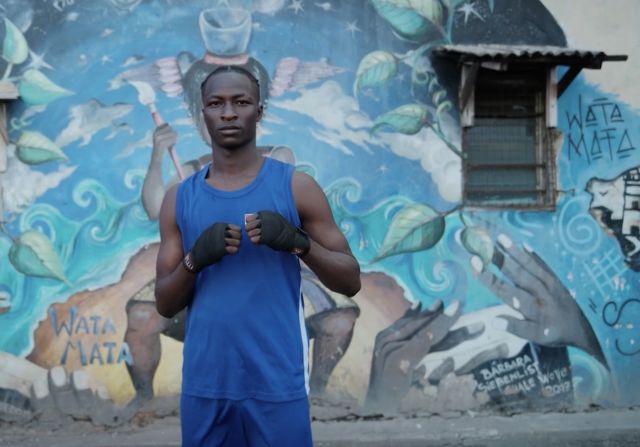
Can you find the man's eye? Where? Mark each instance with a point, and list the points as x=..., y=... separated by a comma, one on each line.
x=214, y=104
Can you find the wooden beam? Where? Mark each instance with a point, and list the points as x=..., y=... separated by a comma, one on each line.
x=8, y=90
x=551, y=100
x=467, y=93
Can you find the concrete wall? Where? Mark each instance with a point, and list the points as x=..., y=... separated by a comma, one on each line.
x=87, y=168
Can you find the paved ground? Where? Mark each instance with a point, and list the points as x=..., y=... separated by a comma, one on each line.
x=599, y=428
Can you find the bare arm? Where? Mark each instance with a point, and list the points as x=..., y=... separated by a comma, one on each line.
x=329, y=257
x=174, y=284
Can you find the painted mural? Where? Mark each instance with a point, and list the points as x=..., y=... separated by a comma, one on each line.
x=460, y=309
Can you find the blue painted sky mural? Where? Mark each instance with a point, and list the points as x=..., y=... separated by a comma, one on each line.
x=357, y=99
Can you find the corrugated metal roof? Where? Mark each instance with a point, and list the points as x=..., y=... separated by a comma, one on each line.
x=526, y=52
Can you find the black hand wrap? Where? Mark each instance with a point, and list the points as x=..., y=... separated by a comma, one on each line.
x=279, y=234
x=210, y=246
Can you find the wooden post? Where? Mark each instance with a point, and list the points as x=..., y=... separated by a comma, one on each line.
x=467, y=93
x=551, y=111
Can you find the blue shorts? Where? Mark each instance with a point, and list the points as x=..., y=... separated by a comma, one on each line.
x=249, y=422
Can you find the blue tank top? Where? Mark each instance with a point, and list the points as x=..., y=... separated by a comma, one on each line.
x=244, y=335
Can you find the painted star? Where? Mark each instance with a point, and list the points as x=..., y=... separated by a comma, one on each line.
x=38, y=62
x=383, y=169
x=105, y=59
x=469, y=9
x=352, y=27
x=296, y=5
x=223, y=3
x=107, y=32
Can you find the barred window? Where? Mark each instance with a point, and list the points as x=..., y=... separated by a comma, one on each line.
x=509, y=161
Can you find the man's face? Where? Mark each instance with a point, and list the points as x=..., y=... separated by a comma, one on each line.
x=231, y=110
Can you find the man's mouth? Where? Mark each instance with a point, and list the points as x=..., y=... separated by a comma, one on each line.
x=228, y=130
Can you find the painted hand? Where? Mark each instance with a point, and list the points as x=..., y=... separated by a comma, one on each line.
x=401, y=346
x=271, y=229
x=214, y=243
x=551, y=315
x=163, y=138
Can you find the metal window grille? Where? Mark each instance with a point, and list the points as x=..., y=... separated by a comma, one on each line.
x=507, y=153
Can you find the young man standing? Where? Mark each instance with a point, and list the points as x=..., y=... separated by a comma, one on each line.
x=230, y=236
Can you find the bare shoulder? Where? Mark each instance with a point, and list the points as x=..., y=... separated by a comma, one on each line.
x=315, y=214
x=303, y=185
x=300, y=180
x=168, y=208
x=307, y=193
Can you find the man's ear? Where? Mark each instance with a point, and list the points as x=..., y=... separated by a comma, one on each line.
x=260, y=112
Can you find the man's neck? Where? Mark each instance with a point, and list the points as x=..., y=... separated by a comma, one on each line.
x=232, y=170
x=235, y=161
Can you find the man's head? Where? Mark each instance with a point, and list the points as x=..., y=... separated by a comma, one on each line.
x=231, y=106
x=233, y=68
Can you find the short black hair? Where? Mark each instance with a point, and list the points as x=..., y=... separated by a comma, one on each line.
x=230, y=68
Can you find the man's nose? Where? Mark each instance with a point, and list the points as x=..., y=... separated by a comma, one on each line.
x=229, y=112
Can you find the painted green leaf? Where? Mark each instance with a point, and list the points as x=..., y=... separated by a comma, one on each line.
x=416, y=227
x=411, y=18
x=405, y=22
x=478, y=242
x=35, y=88
x=14, y=46
x=452, y=4
x=375, y=68
x=34, y=148
x=429, y=9
x=407, y=119
x=33, y=254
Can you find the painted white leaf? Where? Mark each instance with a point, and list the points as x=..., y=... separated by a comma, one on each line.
x=415, y=227
x=35, y=88
x=478, y=242
x=34, y=148
x=407, y=119
x=429, y=9
x=33, y=254
x=15, y=49
x=375, y=68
